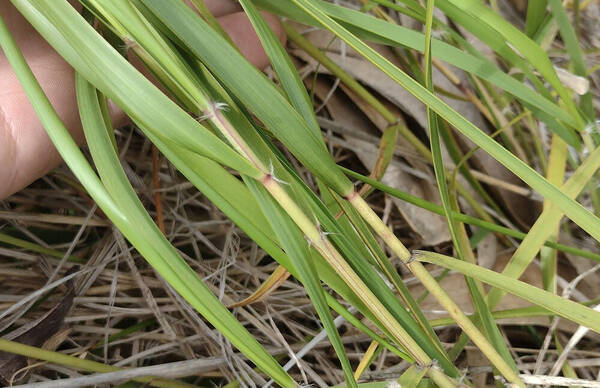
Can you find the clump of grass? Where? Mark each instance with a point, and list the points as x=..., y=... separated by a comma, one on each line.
x=246, y=143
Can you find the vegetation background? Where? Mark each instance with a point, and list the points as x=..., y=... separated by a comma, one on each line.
x=408, y=196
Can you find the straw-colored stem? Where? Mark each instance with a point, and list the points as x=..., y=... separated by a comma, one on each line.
x=433, y=287
x=212, y=112
x=81, y=363
x=318, y=239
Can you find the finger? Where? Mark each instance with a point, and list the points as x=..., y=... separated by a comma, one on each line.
x=219, y=7
x=242, y=33
x=26, y=152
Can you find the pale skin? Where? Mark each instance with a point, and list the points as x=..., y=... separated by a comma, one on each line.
x=26, y=152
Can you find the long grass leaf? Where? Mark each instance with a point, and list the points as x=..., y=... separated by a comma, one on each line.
x=536, y=11
x=296, y=247
x=457, y=231
x=437, y=209
x=372, y=29
x=283, y=66
x=104, y=67
x=565, y=308
x=156, y=249
x=586, y=220
x=546, y=223
x=251, y=87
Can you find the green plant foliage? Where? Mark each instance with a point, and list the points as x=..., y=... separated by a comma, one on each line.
x=230, y=131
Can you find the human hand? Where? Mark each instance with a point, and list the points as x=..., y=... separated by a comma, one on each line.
x=26, y=151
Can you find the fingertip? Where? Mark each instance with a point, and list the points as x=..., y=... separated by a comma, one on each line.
x=241, y=31
x=218, y=7
x=276, y=26
x=7, y=156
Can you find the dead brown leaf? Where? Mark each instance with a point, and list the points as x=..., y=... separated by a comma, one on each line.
x=40, y=331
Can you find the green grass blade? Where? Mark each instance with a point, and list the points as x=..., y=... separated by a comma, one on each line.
x=283, y=66
x=433, y=122
x=434, y=133
x=154, y=246
x=17, y=242
x=437, y=209
x=457, y=231
x=373, y=29
x=536, y=11
x=575, y=211
x=257, y=93
x=565, y=308
x=547, y=223
x=296, y=247
x=61, y=26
